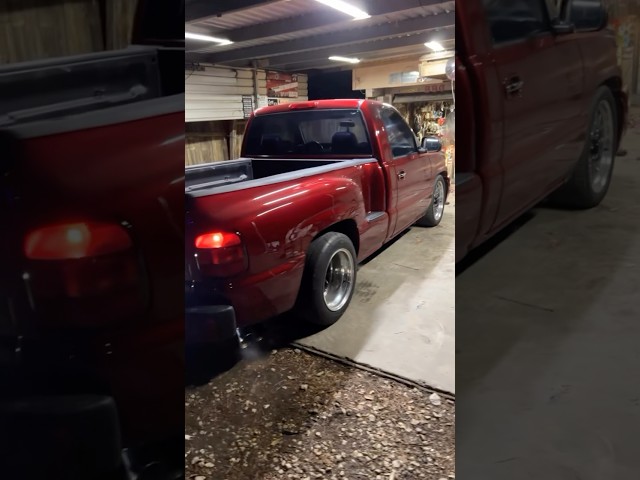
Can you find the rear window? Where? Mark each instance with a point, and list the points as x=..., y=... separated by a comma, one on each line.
x=309, y=132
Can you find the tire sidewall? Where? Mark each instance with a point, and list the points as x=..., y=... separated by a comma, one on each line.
x=439, y=180
x=317, y=265
x=429, y=219
x=604, y=94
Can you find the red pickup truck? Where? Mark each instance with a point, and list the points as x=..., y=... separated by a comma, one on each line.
x=91, y=215
x=542, y=107
x=320, y=186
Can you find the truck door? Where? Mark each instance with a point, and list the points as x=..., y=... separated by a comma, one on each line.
x=539, y=73
x=410, y=173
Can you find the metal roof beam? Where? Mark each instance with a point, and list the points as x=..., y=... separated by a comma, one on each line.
x=336, y=39
x=323, y=18
x=320, y=56
x=196, y=9
x=326, y=64
x=362, y=48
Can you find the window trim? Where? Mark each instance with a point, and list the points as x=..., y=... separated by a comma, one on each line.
x=509, y=43
x=359, y=112
x=392, y=111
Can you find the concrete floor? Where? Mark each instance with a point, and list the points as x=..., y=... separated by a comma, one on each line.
x=548, y=344
x=401, y=319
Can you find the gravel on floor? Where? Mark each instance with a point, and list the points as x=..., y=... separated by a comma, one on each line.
x=294, y=415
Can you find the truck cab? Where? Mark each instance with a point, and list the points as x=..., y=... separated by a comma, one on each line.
x=542, y=107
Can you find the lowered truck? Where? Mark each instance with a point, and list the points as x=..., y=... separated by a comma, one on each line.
x=320, y=186
x=543, y=110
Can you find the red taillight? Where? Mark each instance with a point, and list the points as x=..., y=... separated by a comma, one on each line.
x=217, y=240
x=84, y=274
x=220, y=254
x=75, y=240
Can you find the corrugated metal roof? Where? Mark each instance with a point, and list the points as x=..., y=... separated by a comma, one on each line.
x=334, y=27
x=293, y=9
x=260, y=14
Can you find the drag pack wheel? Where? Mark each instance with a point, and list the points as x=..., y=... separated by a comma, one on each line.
x=590, y=181
x=436, y=208
x=329, y=279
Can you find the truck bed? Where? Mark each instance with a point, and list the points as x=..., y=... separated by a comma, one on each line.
x=244, y=173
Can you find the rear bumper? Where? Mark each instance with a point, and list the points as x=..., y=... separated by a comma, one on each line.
x=255, y=298
x=210, y=324
x=77, y=437
x=74, y=436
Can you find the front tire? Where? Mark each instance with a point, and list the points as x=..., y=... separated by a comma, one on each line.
x=591, y=179
x=435, y=212
x=329, y=279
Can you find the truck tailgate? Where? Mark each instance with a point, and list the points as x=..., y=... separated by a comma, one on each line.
x=85, y=175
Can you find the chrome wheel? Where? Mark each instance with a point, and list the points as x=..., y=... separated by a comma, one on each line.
x=601, y=144
x=338, y=280
x=438, y=200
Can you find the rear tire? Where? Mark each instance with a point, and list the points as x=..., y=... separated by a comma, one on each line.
x=591, y=179
x=329, y=279
x=435, y=212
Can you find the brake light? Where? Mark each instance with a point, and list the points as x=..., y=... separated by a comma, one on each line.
x=76, y=240
x=302, y=105
x=217, y=240
x=84, y=274
x=220, y=254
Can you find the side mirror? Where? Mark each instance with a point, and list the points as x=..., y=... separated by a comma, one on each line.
x=431, y=144
x=563, y=28
x=585, y=15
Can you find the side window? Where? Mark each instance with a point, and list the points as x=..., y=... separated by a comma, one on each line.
x=513, y=20
x=401, y=138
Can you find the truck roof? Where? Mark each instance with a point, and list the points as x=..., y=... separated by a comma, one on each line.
x=314, y=104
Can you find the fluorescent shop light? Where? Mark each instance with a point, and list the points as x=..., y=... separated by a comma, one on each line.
x=345, y=59
x=207, y=38
x=344, y=7
x=435, y=46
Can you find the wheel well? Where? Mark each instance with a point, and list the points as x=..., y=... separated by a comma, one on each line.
x=346, y=227
x=615, y=85
x=447, y=181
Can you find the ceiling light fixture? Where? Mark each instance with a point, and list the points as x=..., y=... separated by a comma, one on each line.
x=207, y=38
x=345, y=59
x=344, y=7
x=435, y=46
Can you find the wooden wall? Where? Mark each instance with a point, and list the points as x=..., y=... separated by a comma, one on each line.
x=236, y=136
x=38, y=29
x=213, y=141
x=119, y=22
x=35, y=29
x=205, y=142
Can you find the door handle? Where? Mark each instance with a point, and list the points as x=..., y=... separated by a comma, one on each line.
x=402, y=174
x=513, y=86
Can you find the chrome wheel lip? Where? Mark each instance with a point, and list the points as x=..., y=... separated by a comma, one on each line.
x=601, y=145
x=339, y=280
x=438, y=200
